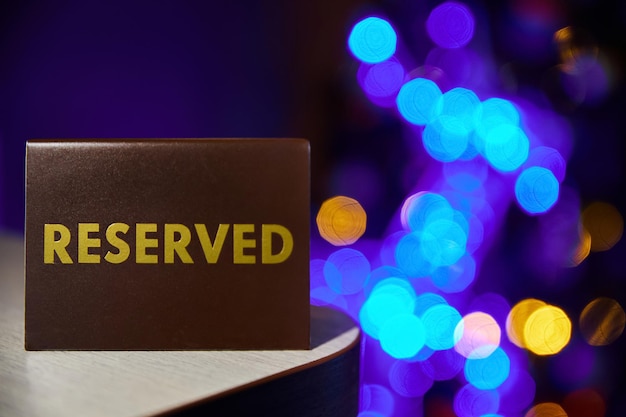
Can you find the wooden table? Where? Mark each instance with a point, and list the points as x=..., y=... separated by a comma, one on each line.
x=320, y=382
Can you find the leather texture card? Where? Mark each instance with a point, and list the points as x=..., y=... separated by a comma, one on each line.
x=167, y=244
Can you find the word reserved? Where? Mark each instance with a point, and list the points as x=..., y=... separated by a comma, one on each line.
x=176, y=239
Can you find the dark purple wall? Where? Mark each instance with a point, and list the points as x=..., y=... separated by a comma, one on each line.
x=77, y=69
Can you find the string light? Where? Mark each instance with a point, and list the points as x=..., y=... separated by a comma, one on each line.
x=484, y=153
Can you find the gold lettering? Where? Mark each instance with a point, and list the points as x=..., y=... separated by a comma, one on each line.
x=123, y=249
x=240, y=244
x=212, y=250
x=85, y=243
x=171, y=245
x=267, y=230
x=143, y=243
x=176, y=240
x=52, y=246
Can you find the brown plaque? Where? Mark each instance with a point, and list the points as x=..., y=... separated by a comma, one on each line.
x=167, y=244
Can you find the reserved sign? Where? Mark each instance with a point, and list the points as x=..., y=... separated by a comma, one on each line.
x=167, y=244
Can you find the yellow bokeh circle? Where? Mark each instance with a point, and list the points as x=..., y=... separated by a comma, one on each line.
x=341, y=220
x=517, y=318
x=547, y=331
x=546, y=410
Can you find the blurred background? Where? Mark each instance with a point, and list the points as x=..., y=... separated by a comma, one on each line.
x=248, y=69
x=184, y=69
x=76, y=69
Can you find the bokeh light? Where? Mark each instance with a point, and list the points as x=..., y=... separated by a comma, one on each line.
x=443, y=365
x=536, y=190
x=321, y=294
x=408, y=379
x=462, y=179
x=410, y=257
x=604, y=223
x=382, y=273
x=549, y=158
x=572, y=46
x=426, y=300
x=602, y=321
x=424, y=207
x=391, y=297
x=440, y=321
x=488, y=152
x=546, y=410
x=492, y=113
x=341, y=220
x=457, y=277
x=466, y=176
x=561, y=238
x=346, y=271
x=476, y=231
x=450, y=25
x=324, y=296
x=517, y=318
x=424, y=353
x=547, y=331
x=388, y=247
x=470, y=401
x=316, y=273
x=588, y=80
x=493, y=304
x=477, y=335
x=419, y=101
x=443, y=242
x=372, y=40
x=459, y=110
x=446, y=139
x=376, y=398
x=584, y=403
x=402, y=336
x=506, y=147
x=490, y=372
x=585, y=71
x=381, y=82
x=439, y=239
